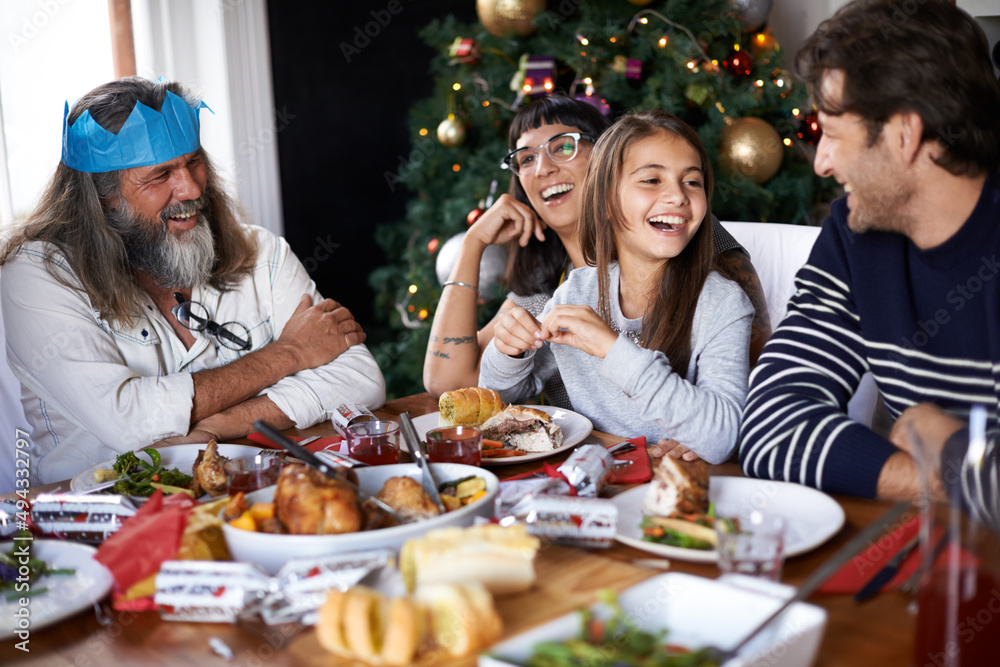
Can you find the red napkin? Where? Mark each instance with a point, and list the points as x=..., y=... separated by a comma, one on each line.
x=638, y=472
x=852, y=577
x=331, y=442
x=144, y=541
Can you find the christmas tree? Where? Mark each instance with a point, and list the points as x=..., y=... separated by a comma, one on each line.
x=711, y=62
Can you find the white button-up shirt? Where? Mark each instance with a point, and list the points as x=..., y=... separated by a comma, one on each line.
x=92, y=390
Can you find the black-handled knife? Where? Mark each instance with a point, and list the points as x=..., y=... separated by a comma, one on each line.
x=885, y=575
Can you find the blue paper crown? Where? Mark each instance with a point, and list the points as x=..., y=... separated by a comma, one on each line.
x=148, y=137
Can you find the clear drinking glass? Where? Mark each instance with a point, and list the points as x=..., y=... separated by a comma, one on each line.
x=958, y=617
x=374, y=442
x=753, y=544
x=458, y=444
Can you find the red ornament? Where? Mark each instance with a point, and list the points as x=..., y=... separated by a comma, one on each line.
x=738, y=63
x=474, y=215
x=464, y=50
x=809, y=130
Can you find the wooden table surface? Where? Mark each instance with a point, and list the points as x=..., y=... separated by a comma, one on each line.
x=878, y=632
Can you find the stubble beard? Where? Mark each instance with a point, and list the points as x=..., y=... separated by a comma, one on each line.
x=179, y=261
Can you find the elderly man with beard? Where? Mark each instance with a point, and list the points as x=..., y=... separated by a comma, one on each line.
x=903, y=278
x=140, y=310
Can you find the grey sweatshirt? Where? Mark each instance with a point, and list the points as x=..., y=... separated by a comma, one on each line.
x=633, y=391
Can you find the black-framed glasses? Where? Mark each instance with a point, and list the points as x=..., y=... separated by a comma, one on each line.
x=560, y=148
x=194, y=316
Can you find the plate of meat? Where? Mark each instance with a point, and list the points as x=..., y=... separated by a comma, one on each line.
x=183, y=458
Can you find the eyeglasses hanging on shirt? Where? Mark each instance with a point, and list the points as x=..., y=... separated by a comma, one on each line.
x=194, y=316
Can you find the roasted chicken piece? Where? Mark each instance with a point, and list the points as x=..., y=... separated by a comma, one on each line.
x=208, y=472
x=309, y=503
x=408, y=498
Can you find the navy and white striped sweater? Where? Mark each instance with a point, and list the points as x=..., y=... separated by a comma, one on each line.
x=926, y=323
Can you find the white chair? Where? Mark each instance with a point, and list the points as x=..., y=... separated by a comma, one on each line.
x=778, y=251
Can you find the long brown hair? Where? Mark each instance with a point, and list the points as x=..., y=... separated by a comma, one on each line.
x=71, y=217
x=890, y=65
x=666, y=325
x=536, y=267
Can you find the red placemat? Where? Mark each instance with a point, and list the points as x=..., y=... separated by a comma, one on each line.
x=330, y=442
x=638, y=472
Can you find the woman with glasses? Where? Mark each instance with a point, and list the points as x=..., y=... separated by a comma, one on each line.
x=550, y=142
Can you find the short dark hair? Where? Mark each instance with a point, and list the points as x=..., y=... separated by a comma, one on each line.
x=927, y=57
x=536, y=268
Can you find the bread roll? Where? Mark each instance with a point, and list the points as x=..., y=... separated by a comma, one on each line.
x=468, y=407
x=463, y=618
x=502, y=558
x=363, y=624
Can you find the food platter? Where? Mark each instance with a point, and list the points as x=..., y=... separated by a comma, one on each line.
x=181, y=457
x=271, y=551
x=67, y=594
x=697, y=612
x=811, y=516
x=575, y=428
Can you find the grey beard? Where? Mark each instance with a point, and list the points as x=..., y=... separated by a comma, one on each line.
x=179, y=262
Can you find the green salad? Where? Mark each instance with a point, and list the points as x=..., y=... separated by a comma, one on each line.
x=139, y=478
x=12, y=583
x=617, y=642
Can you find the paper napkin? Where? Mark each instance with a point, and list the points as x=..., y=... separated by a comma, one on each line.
x=331, y=442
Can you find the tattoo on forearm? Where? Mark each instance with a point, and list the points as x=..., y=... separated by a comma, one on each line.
x=459, y=340
x=443, y=355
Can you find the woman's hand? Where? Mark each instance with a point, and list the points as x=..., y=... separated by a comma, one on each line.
x=516, y=332
x=507, y=219
x=580, y=327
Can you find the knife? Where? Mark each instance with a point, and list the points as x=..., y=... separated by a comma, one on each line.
x=311, y=459
x=885, y=575
x=420, y=456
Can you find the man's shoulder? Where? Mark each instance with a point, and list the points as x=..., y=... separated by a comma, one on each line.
x=33, y=255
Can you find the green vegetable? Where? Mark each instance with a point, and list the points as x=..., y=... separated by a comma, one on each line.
x=617, y=642
x=11, y=562
x=137, y=474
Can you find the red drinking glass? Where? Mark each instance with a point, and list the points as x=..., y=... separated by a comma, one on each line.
x=375, y=443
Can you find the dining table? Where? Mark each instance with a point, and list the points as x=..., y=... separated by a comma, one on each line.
x=879, y=631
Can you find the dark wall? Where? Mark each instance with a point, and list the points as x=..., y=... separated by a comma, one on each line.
x=342, y=125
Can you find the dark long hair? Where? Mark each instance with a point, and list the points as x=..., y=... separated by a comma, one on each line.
x=893, y=55
x=536, y=267
x=71, y=216
x=666, y=325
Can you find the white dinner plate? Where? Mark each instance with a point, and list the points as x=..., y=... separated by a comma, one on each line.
x=696, y=612
x=67, y=594
x=575, y=428
x=181, y=457
x=812, y=517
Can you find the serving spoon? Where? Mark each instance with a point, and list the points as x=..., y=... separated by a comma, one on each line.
x=275, y=436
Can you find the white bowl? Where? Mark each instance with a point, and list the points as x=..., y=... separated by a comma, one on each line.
x=271, y=551
x=697, y=612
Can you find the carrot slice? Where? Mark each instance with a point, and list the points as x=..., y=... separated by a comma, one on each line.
x=492, y=444
x=500, y=453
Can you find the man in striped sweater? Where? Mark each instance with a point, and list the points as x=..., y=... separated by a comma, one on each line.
x=903, y=280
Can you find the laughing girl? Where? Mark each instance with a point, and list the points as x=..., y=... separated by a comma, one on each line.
x=649, y=340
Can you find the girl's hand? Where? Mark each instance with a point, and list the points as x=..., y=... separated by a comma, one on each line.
x=516, y=332
x=580, y=327
x=507, y=219
x=673, y=449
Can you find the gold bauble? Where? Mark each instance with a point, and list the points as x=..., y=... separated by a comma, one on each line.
x=451, y=132
x=509, y=17
x=751, y=147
